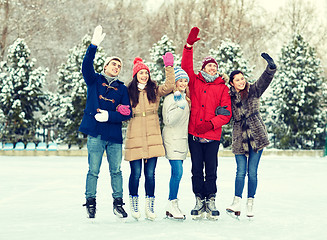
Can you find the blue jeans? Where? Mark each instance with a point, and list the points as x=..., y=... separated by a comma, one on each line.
x=176, y=176
x=250, y=166
x=96, y=148
x=149, y=172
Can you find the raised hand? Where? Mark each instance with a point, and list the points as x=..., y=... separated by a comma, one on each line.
x=193, y=36
x=168, y=59
x=98, y=36
x=270, y=61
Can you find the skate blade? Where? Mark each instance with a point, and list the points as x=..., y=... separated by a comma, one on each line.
x=170, y=216
x=233, y=215
x=212, y=218
x=250, y=218
x=198, y=217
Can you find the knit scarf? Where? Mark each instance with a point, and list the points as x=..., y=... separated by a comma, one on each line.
x=108, y=78
x=208, y=77
x=141, y=86
x=242, y=114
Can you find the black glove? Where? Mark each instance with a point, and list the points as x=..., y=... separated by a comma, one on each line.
x=222, y=111
x=269, y=60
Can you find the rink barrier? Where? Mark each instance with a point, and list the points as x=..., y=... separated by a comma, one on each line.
x=221, y=153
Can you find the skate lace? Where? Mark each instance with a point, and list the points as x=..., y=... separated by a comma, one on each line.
x=199, y=204
x=151, y=205
x=134, y=203
x=211, y=205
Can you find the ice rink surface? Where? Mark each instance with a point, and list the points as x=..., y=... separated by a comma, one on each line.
x=41, y=199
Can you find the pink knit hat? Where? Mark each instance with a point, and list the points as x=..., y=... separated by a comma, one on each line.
x=207, y=60
x=139, y=65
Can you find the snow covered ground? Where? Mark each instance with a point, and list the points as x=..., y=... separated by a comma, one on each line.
x=41, y=199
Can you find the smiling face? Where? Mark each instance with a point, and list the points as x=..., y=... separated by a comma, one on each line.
x=181, y=84
x=238, y=82
x=112, y=69
x=211, y=69
x=142, y=76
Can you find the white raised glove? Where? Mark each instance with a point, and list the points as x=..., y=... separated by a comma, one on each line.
x=98, y=36
x=102, y=116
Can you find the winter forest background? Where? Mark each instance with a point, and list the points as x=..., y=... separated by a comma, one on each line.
x=43, y=42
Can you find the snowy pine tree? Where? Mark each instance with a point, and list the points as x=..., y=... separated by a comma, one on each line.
x=229, y=56
x=21, y=95
x=70, y=101
x=298, y=115
x=157, y=67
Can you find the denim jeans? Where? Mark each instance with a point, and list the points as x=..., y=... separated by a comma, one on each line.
x=96, y=148
x=250, y=166
x=175, y=178
x=149, y=172
x=204, y=157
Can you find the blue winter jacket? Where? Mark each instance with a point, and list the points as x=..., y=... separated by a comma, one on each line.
x=100, y=95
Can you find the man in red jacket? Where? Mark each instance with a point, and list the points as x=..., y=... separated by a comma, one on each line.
x=207, y=92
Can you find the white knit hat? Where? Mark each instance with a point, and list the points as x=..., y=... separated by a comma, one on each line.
x=108, y=59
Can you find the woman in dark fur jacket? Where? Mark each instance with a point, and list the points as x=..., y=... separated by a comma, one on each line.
x=249, y=132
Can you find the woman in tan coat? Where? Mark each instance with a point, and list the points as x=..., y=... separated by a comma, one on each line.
x=143, y=140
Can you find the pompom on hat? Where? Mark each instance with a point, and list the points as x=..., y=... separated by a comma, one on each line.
x=180, y=74
x=109, y=59
x=207, y=60
x=139, y=65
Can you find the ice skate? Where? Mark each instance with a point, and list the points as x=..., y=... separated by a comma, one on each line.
x=249, y=208
x=198, y=212
x=90, y=207
x=149, y=208
x=118, y=208
x=212, y=212
x=134, y=204
x=234, y=210
x=173, y=211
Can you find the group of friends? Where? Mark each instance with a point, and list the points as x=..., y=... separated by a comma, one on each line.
x=195, y=107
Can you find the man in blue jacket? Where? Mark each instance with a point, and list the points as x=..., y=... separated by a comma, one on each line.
x=107, y=106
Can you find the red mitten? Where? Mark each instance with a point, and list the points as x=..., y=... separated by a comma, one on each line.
x=123, y=109
x=204, y=127
x=193, y=36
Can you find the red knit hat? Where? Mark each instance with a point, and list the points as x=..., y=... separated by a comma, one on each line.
x=139, y=65
x=207, y=60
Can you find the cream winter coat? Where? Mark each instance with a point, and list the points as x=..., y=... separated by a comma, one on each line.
x=175, y=129
x=143, y=137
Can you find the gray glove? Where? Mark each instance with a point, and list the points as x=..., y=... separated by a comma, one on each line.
x=98, y=36
x=222, y=111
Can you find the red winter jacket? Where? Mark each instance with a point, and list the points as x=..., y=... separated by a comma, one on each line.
x=205, y=98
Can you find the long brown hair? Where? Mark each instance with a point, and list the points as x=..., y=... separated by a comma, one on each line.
x=244, y=92
x=134, y=93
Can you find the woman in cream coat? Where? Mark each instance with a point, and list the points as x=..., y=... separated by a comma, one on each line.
x=144, y=140
x=176, y=113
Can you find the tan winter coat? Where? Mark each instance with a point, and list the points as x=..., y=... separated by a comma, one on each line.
x=143, y=137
